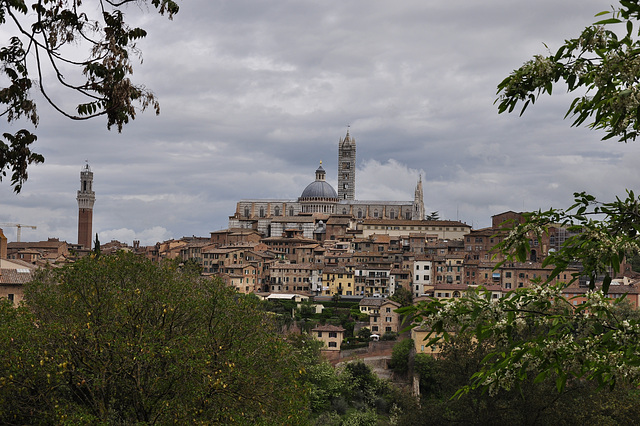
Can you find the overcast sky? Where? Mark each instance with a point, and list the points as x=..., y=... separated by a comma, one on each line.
x=255, y=93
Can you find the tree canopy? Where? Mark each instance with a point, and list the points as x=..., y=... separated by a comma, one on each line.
x=47, y=38
x=118, y=339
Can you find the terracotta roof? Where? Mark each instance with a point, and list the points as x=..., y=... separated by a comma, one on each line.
x=372, y=301
x=15, y=276
x=328, y=327
x=415, y=222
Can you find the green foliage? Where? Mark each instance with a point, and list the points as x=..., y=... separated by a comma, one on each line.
x=40, y=33
x=427, y=368
x=603, y=60
x=534, y=403
x=400, y=355
x=389, y=335
x=535, y=333
x=119, y=339
x=403, y=296
x=603, y=235
x=433, y=216
x=364, y=333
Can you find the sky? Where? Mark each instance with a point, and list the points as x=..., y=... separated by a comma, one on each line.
x=254, y=94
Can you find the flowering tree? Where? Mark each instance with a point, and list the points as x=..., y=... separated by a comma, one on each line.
x=604, y=59
x=536, y=332
x=47, y=38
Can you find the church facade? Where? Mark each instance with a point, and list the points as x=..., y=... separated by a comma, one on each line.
x=309, y=213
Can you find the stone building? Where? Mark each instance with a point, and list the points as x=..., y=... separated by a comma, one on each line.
x=319, y=201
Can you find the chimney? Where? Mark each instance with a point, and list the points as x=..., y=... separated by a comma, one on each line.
x=3, y=245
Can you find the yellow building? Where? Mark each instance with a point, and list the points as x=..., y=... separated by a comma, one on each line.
x=330, y=335
x=422, y=347
x=338, y=280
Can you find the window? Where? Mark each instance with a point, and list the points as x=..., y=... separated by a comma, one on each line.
x=388, y=310
x=246, y=212
x=276, y=211
x=333, y=334
x=319, y=333
x=11, y=297
x=374, y=328
x=388, y=319
x=388, y=329
x=333, y=344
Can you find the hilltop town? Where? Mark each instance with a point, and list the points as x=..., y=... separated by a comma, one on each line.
x=326, y=244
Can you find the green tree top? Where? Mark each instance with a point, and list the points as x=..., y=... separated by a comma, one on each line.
x=120, y=339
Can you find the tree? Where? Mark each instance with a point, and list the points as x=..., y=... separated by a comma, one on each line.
x=538, y=333
x=535, y=403
x=400, y=356
x=403, y=296
x=601, y=60
x=433, y=216
x=47, y=36
x=119, y=339
x=96, y=246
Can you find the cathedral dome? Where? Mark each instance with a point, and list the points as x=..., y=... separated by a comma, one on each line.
x=319, y=189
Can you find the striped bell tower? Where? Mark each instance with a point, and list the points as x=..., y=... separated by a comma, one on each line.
x=347, y=168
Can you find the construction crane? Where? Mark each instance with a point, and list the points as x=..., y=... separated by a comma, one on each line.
x=19, y=226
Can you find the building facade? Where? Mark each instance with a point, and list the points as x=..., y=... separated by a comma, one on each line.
x=319, y=201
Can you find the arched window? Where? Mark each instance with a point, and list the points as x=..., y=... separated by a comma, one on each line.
x=261, y=211
x=276, y=211
x=290, y=211
x=375, y=213
x=359, y=214
x=344, y=210
x=392, y=214
x=246, y=212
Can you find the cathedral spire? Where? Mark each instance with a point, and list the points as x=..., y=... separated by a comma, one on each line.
x=418, y=201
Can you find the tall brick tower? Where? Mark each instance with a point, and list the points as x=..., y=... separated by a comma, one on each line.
x=86, y=197
x=347, y=168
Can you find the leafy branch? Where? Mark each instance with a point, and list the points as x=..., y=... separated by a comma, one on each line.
x=42, y=41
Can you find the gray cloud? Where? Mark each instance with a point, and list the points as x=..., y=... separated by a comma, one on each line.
x=254, y=94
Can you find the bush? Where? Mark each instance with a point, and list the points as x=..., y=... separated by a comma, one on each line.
x=400, y=356
x=389, y=335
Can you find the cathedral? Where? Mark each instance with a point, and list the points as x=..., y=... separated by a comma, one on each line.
x=319, y=201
